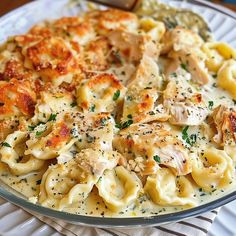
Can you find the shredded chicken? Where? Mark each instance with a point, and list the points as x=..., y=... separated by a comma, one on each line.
x=184, y=103
x=224, y=122
x=156, y=144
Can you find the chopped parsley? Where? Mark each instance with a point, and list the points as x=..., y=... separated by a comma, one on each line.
x=210, y=105
x=129, y=116
x=92, y=108
x=39, y=133
x=124, y=125
x=73, y=104
x=157, y=158
x=214, y=76
x=174, y=74
x=188, y=139
x=38, y=182
x=52, y=117
x=116, y=95
x=148, y=88
x=129, y=98
x=5, y=144
x=184, y=66
x=31, y=127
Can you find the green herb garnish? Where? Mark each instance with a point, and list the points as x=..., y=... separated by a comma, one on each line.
x=184, y=66
x=188, y=139
x=73, y=104
x=5, y=144
x=116, y=95
x=52, y=117
x=210, y=105
x=92, y=108
x=157, y=158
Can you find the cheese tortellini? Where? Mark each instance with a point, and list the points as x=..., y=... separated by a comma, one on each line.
x=119, y=188
x=165, y=188
x=214, y=169
x=64, y=184
x=226, y=77
x=217, y=53
x=12, y=153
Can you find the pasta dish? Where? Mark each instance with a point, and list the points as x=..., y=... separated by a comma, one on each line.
x=114, y=113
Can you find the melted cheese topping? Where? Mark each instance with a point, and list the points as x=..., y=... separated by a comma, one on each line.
x=111, y=114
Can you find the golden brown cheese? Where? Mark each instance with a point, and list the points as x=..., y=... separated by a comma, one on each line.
x=113, y=19
x=16, y=98
x=54, y=59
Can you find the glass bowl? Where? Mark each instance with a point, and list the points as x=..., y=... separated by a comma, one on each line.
x=223, y=25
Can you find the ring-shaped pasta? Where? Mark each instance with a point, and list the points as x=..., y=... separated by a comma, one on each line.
x=64, y=184
x=118, y=188
x=165, y=188
x=71, y=182
x=100, y=94
x=217, y=53
x=226, y=77
x=51, y=141
x=11, y=157
x=156, y=29
x=214, y=170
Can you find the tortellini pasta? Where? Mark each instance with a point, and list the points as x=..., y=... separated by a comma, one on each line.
x=12, y=153
x=100, y=94
x=118, y=188
x=64, y=184
x=226, y=77
x=165, y=188
x=156, y=29
x=217, y=53
x=214, y=169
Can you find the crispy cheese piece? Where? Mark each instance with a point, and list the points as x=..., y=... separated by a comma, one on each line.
x=112, y=19
x=17, y=98
x=156, y=144
x=53, y=58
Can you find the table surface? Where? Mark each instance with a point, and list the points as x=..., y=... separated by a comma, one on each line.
x=8, y=5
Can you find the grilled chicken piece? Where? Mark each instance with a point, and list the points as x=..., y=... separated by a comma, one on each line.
x=184, y=103
x=154, y=143
x=142, y=98
x=193, y=62
x=133, y=46
x=178, y=39
x=224, y=122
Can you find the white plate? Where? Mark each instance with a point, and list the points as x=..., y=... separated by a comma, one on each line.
x=13, y=220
